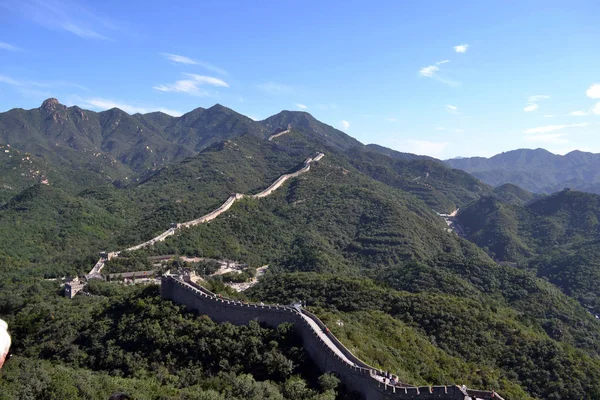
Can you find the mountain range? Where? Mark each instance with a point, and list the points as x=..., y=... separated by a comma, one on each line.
x=77, y=147
x=508, y=305
x=536, y=170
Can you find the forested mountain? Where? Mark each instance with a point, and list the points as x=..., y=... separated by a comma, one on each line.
x=357, y=237
x=557, y=237
x=137, y=141
x=97, y=147
x=536, y=170
x=513, y=194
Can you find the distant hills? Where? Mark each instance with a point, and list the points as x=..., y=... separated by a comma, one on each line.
x=536, y=170
x=556, y=236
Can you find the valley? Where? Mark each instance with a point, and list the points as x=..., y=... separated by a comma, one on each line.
x=358, y=235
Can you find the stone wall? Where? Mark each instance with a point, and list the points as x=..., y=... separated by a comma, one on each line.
x=355, y=374
x=95, y=271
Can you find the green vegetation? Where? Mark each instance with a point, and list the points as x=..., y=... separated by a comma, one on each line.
x=442, y=188
x=556, y=237
x=428, y=338
x=332, y=219
x=357, y=238
x=513, y=194
x=149, y=348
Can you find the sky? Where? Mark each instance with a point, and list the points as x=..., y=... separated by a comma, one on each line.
x=441, y=78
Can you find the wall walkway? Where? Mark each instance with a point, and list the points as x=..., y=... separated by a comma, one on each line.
x=95, y=272
x=289, y=128
x=324, y=348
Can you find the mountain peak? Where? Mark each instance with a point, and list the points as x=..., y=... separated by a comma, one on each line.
x=51, y=104
x=218, y=108
x=294, y=113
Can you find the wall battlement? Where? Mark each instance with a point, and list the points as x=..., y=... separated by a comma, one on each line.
x=96, y=269
x=328, y=353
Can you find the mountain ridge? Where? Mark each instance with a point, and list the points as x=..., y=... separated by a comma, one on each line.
x=358, y=234
x=536, y=170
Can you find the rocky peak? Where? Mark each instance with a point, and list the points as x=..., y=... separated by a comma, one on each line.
x=54, y=110
x=51, y=105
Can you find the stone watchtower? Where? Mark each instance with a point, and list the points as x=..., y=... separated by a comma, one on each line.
x=72, y=287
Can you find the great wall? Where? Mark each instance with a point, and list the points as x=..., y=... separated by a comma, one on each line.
x=288, y=130
x=96, y=270
x=328, y=353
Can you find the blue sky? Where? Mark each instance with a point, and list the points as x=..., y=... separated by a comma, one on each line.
x=442, y=78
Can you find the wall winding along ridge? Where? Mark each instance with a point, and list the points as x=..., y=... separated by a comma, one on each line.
x=289, y=128
x=323, y=347
x=97, y=268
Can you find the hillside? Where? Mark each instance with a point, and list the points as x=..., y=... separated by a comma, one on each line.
x=513, y=194
x=79, y=149
x=443, y=189
x=556, y=237
x=358, y=237
x=536, y=170
x=86, y=148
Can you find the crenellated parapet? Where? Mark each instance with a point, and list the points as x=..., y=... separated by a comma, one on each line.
x=328, y=353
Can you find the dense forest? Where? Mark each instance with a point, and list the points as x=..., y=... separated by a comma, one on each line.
x=358, y=238
x=557, y=237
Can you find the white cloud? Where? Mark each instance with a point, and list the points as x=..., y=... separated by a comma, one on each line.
x=68, y=16
x=431, y=71
x=440, y=128
x=82, y=31
x=596, y=109
x=578, y=114
x=38, y=90
x=9, y=80
x=176, y=58
x=105, y=104
x=532, y=102
x=461, y=48
x=276, y=88
x=442, y=62
x=594, y=91
x=452, y=109
x=548, y=116
x=554, y=138
x=537, y=98
x=392, y=119
x=531, y=107
x=192, y=86
x=9, y=47
x=208, y=80
x=552, y=128
x=428, y=71
x=302, y=106
x=458, y=130
x=345, y=124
